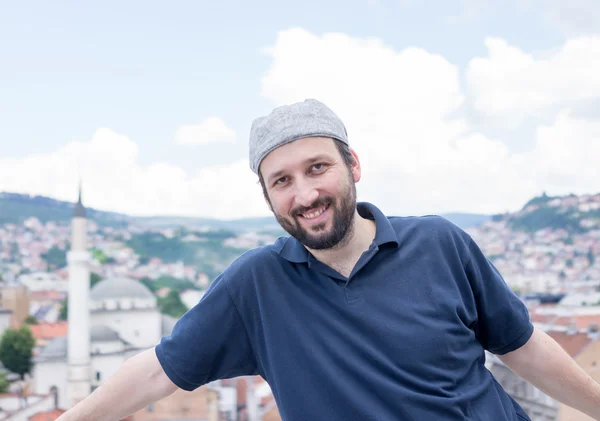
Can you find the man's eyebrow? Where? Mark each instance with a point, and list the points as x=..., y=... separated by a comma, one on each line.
x=311, y=160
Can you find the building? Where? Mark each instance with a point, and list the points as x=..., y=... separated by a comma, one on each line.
x=5, y=319
x=580, y=339
x=44, y=333
x=43, y=281
x=588, y=358
x=107, y=324
x=15, y=297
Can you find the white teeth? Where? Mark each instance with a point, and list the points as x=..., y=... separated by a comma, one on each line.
x=313, y=214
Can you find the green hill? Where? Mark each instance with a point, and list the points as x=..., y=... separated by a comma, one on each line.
x=575, y=214
x=16, y=208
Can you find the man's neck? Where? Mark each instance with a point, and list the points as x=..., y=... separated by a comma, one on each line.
x=344, y=257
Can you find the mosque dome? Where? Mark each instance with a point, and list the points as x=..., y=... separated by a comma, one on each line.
x=117, y=288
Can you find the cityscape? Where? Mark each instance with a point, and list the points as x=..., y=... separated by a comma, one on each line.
x=154, y=157
x=554, y=266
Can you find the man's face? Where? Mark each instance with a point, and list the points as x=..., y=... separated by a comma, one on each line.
x=311, y=191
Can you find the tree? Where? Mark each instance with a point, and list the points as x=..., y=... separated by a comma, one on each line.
x=55, y=258
x=3, y=383
x=149, y=283
x=63, y=314
x=16, y=350
x=94, y=279
x=31, y=320
x=171, y=304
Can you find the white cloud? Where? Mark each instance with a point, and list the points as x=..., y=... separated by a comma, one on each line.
x=403, y=112
x=567, y=154
x=378, y=92
x=400, y=108
x=510, y=85
x=114, y=180
x=405, y=117
x=211, y=130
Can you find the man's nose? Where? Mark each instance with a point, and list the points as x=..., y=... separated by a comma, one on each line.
x=306, y=193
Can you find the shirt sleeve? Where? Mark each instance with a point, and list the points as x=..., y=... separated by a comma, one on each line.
x=503, y=323
x=208, y=343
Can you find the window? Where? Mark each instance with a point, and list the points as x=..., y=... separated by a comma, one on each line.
x=98, y=375
x=54, y=391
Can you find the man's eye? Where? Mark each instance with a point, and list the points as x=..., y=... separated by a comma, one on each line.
x=318, y=167
x=281, y=180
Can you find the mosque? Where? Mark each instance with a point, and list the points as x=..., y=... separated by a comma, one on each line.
x=108, y=324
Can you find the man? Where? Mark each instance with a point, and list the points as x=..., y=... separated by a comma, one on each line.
x=355, y=316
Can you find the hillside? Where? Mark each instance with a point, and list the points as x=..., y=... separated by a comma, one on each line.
x=551, y=241
x=574, y=214
x=15, y=208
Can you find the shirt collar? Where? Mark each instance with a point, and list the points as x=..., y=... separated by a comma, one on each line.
x=293, y=251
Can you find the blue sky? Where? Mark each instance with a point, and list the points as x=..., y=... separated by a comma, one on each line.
x=141, y=70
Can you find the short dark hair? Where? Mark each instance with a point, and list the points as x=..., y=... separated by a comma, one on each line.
x=342, y=148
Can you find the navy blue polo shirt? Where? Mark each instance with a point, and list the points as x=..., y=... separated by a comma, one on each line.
x=402, y=338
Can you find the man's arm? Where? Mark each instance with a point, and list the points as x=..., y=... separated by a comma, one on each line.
x=139, y=382
x=545, y=364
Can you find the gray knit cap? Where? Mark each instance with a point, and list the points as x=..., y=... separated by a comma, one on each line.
x=287, y=123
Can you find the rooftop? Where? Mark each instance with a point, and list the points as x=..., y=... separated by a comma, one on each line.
x=112, y=288
x=572, y=343
x=47, y=416
x=49, y=330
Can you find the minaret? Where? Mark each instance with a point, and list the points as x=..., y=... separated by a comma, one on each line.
x=78, y=310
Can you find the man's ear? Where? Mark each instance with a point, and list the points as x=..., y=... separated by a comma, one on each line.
x=355, y=167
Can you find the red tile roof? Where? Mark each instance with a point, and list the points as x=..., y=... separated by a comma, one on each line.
x=542, y=318
x=47, y=416
x=581, y=322
x=584, y=322
x=573, y=344
x=49, y=330
x=47, y=295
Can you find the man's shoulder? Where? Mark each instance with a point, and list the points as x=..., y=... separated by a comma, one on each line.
x=257, y=256
x=433, y=234
x=253, y=267
x=426, y=224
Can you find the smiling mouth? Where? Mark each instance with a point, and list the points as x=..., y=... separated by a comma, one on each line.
x=314, y=213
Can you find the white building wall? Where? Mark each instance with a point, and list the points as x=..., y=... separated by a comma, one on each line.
x=104, y=366
x=79, y=318
x=105, y=347
x=34, y=405
x=140, y=328
x=43, y=281
x=123, y=303
x=47, y=374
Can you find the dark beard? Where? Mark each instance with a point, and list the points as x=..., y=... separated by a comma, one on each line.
x=317, y=239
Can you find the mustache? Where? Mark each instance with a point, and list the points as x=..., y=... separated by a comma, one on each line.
x=324, y=201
